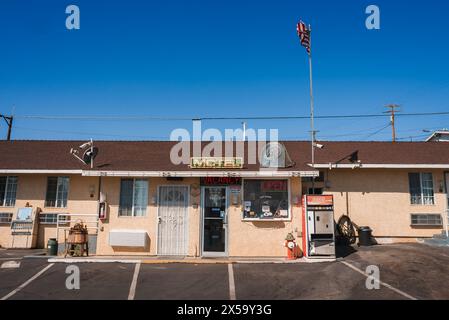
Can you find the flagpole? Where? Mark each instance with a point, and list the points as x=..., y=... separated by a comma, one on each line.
x=312, y=124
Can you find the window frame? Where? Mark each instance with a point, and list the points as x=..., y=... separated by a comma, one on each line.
x=436, y=225
x=3, y=203
x=133, y=207
x=421, y=194
x=44, y=221
x=272, y=219
x=57, y=193
x=6, y=218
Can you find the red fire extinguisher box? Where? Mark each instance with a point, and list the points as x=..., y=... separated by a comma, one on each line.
x=102, y=210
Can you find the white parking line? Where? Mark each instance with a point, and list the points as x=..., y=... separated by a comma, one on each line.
x=381, y=282
x=132, y=289
x=231, y=282
x=23, y=285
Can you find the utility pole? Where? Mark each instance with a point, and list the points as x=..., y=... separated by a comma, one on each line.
x=9, y=120
x=393, y=109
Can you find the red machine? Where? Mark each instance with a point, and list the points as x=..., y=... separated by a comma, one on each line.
x=318, y=236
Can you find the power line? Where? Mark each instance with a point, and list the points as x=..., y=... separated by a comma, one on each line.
x=352, y=133
x=378, y=131
x=152, y=118
x=413, y=137
x=92, y=133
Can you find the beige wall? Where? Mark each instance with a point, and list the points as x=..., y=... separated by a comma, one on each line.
x=244, y=238
x=111, y=186
x=5, y=235
x=264, y=238
x=32, y=189
x=381, y=199
x=378, y=198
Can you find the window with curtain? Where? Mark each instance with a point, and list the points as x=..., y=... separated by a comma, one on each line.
x=8, y=190
x=421, y=188
x=133, y=197
x=57, y=192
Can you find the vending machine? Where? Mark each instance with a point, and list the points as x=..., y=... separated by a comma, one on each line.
x=318, y=226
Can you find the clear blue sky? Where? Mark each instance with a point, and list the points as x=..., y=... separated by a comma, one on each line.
x=220, y=58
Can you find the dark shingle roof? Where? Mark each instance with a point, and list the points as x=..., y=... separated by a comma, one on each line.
x=155, y=155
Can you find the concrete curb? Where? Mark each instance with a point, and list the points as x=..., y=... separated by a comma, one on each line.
x=81, y=260
x=185, y=261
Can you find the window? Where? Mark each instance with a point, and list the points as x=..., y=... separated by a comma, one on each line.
x=421, y=188
x=5, y=217
x=426, y=220
x=8, y=189
x=52, y=218
x=315, y=191
x=133, y=197
x=265, y=199
x=57, y=192
x=320, y=178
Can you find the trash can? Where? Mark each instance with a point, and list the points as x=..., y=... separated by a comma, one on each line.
x=365, y=236
x=52, y=247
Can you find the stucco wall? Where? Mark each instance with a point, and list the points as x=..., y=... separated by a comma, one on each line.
x=5, y=237
x=32, y=189
x=264, y=238
x=381, y=200
x=374, y=197
x=111, y=186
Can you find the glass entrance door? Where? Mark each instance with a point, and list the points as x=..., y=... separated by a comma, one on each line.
x=214, y=220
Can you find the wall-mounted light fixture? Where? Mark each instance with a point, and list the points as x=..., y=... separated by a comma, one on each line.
x=92, y=190
x=296, y=200
x=441, y=185
x=153, y=200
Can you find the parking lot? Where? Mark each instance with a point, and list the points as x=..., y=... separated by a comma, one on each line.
x=407, y=271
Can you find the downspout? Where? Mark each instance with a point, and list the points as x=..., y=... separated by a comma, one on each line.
x=445, y=177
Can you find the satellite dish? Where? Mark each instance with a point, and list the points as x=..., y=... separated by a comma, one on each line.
x=90, y=155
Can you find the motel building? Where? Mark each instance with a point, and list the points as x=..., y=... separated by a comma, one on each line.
x=136, y=201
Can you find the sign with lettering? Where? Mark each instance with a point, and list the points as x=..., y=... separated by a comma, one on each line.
x=320, y=200
x=216, y=163
x=220, y=181
x=274, y=185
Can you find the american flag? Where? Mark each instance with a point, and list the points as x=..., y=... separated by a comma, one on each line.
x=304, y=35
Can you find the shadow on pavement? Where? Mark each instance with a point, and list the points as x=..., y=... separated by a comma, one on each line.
x=342, y=251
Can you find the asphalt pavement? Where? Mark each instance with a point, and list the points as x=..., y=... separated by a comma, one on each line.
x=406, y=271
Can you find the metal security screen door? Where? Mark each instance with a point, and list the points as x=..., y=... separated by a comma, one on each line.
x=173, y=226
x=214, y=205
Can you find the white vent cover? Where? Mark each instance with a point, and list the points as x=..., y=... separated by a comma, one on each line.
x=128, y=238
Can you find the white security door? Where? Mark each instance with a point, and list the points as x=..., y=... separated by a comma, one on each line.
x=173, y=229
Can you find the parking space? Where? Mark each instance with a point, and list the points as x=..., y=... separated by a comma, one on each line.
x=406, y=271
x=11, y=278
x=109, y=281
x=183, y=281
x=420, y=270
x=326, y=280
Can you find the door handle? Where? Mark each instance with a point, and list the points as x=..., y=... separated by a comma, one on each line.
x=159, y=220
